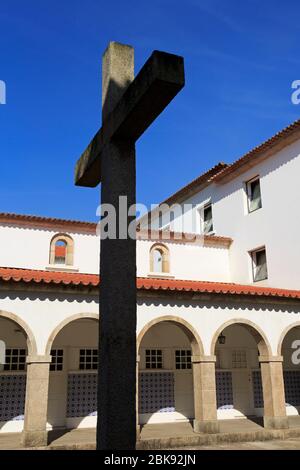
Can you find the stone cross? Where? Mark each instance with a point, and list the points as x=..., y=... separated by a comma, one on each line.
x=129, y=106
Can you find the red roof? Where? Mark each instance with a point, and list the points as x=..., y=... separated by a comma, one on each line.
x=281, y=139
x=151, y=284
x=202, y=180
x=90, y=227
x=47, y=222
x=223, y=171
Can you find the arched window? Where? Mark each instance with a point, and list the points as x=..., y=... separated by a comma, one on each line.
x=159, y=259
x=61, y=250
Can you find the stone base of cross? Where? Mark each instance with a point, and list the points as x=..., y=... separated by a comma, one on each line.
x=129, y=106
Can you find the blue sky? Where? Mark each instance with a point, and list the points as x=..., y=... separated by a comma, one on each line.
x=240, y=58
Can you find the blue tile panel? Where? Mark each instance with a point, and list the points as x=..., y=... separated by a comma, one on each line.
x=291, y=385
x=156, y=392
x=224, y=390
x=82, y=395
x=12, y=397
x=257, y=389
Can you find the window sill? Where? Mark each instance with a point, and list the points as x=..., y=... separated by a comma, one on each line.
x=62, y=268
x=83, y=371
x=13, y=372
x=261, y=283
x=253, y=211
x=161, y=275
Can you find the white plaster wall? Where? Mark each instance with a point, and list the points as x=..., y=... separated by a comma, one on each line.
x=209, y=317
x=29, y=248
x=276, y=225
x=45, y=312
x=238, y=339
x=78, y=334
x=188, y=261
x=12, y=339
x=168, y=337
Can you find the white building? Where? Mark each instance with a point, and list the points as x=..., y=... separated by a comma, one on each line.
x=218, y=314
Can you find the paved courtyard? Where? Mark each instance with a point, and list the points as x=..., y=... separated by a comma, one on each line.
x=160, y=435
x=287, y=444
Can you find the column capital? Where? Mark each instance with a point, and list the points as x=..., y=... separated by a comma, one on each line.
x=270, y=359
x=202, y=358
x=37, y=359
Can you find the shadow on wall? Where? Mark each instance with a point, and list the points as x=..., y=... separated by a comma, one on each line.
x=290, y=350
x=220, y=302
x=166, y=346
x=72, y=399
x=13, y=375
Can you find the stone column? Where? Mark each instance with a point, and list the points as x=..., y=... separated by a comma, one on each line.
x=273, y=392
x=205, y=402
x=138, y=427
x=36, y=401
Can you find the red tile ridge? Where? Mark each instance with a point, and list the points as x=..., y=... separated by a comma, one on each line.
x=143, y=283
x=167, y=235
x=259, y=150
x=223, y=170
x=90, y=227
x=46, y=222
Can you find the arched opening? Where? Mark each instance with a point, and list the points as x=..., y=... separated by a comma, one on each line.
x=289, y=348
x=17, y=344
x=159, y=259
x=165, y=379
x=73, y=374
x=237, y=346
x=61, y=250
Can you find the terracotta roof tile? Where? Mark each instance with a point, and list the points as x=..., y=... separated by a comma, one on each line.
x=223, y=170
x=47, y=222
x=190, y=189
x=151, y=284
x=90, y=227
x=47, y=277
x=259, y=151
x=203, y=179
x=169, y=235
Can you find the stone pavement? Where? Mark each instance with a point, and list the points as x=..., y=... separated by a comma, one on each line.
x=287, y=444
x=239, y=434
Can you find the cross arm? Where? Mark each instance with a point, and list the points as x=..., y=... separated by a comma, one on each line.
x=88, y=167
x=157, y=83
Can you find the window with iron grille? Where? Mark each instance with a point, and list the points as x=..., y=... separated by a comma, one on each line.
x=239, y=359
x=15, y=359
x=154, y=359
x=183, y=359
x=57, y=359
x=88, y=359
